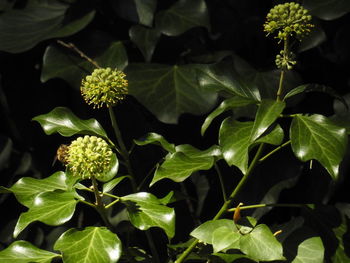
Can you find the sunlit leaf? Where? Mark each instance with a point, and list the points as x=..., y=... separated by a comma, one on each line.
x=26, y=188
x=63, y=121
x=310, y=250
x=51, y=208
x=169, y=91
x=224, y=238
x=22, y=29
x=155, y=138
x=145, y=211
x=67, y=65
x=327, y=9
x=261, y=245
x=316, y=137
x=24, y=252
x=145, y=39
x=91, y=245
x=107, y=187
x=183, y=15
x=227, y=104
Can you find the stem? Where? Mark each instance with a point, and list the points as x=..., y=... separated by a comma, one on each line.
x=221, y=182
x=266, y=205
x=152, y=247
x=87, y=203
x=112, y=203
x=226, y=204
x=275, y=150
x=280, y=87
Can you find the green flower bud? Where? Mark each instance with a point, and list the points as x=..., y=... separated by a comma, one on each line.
x=104, y=86
x=89, y=156
x=285, y=60
x=288, y=19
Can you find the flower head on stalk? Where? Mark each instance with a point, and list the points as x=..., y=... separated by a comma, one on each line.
x=89, y=156
x=288, y=19
x=104, y=86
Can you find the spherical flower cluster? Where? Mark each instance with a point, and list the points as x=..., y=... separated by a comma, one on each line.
x=285, y=60
x=289, y=19
x=104, y=87
x=89, y=156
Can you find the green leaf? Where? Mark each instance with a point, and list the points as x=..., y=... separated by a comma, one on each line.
x=316, y=137
x=327, y=9
x=168, y=198
x=51, y=208
x=155, y=138
x=61, y=63
x=227, y=104
x=24, y=252
x=223, y=77
x=190, y=151
x=169, y=91
x=229, y=258
x=22, y=29
x=224, y=238
x=146, y=211
x=178, y=167
x=26, y=188
x=310, y=250
x=107, y=187
x=261, y=245
x=145, y=39
x=340, y=255
x=63, y=121
x=91, y=245
x=145, y=10
x=182, y=16
x=205, y=231
x=315, y=38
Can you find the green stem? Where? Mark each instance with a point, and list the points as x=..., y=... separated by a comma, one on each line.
x=226, y=204
x=221, y=182
x=112, y=203
x=266, y=205
x=87, y=203
x=280, y=86
x=274, y=150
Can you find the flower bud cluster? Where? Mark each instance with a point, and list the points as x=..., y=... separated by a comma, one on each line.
x=104, y=87
x=89, y=156
x=288, y=19
x=285, y=60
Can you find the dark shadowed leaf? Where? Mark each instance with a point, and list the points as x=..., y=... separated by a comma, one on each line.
x=51, y=208
x=316, y=137
x=63, y=121
x=229, y=258
x=113, y=183
x=183, y=15
x=340, y=255
x=145, y=39
x=91, y=245
x=310, y=250
x=327, y=9
x=315, y=38
x=64, y=64
x=261, y=245
x=22, y=29
x=169, y=91
x=145, y=10
x=25, y=252
x=145, y=211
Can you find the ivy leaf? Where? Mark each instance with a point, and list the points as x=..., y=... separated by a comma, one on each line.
x=316, y=137
x=145, y=39
x=229, y=258
x=205, y=231
x=182, y=16
x=91, y=245
x=340, y=256
x=61, y=63
x=145, y=10
x=261, y=245
x=26, y=188
x=179, y=166
x=24, y=252
x=22, y=29
x=154, y=138
x=145, y=211
x=113, y=183
x=169, y=91
x=310, y=250
x=63, y=121
x=315, y=38
x=327, y=9
x=51, y=208
x=189, y=150
x=227, y=104
x=224, y=238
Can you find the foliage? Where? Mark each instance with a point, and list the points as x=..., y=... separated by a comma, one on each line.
x=157, y=190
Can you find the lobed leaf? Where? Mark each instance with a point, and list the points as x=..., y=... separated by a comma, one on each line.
x=224, y=238
x=145, y=10
x=316, y=137
x=327, y=9
x=107, y=187
x=145, y=211
x=24, y=252
x=91, y=245
x=310, y=250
